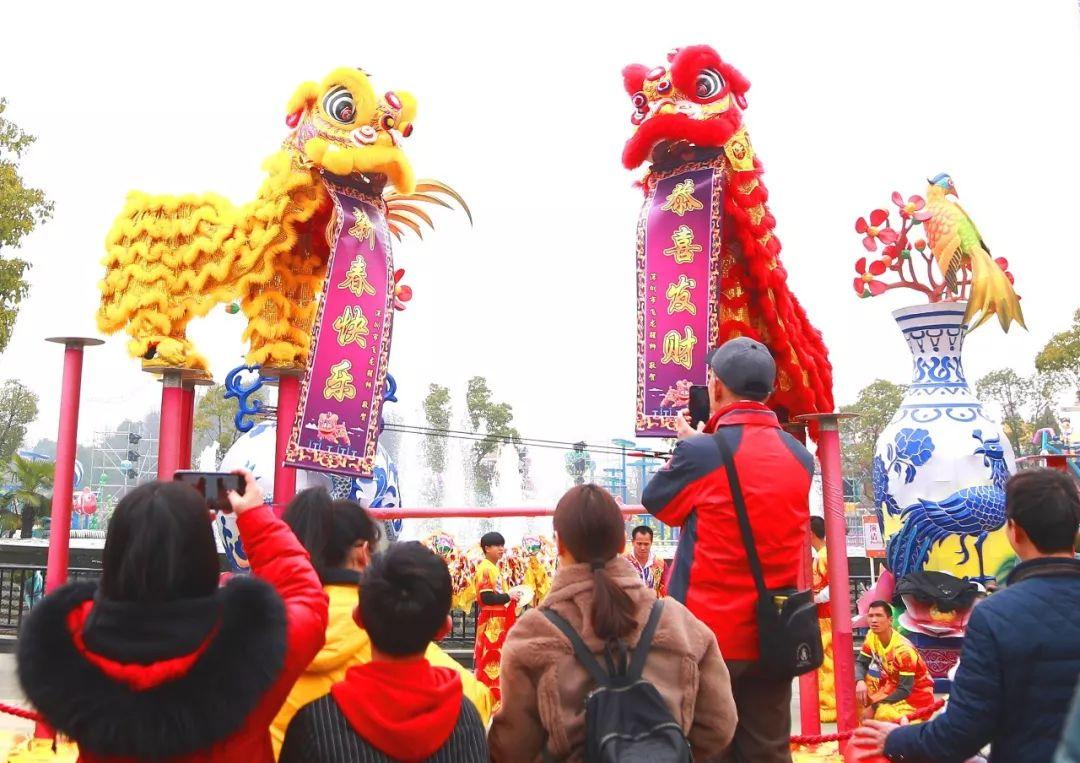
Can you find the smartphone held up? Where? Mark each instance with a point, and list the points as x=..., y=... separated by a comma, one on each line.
x=699, y=404
x=213, y=486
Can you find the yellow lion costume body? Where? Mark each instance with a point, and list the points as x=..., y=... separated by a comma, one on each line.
x=174, y=258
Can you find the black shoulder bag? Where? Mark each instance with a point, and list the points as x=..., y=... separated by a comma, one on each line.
x=789, y=636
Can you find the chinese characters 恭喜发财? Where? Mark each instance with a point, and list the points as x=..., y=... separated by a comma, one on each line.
x=679, y=349
x=683, y=247
x=681, y=199
x=679, y=296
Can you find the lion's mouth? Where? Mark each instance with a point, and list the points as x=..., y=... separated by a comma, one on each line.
x=683, y=131
x=689, y=109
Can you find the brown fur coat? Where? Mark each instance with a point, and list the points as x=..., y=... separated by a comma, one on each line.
x=544, y=687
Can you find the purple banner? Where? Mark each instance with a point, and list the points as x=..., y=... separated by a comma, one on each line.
x=337, y=421
x=678, y=259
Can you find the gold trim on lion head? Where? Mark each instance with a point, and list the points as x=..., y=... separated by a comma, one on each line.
x=341, y=126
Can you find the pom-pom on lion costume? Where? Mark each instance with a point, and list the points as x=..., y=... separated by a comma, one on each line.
x=688, y=124
x=173, y=258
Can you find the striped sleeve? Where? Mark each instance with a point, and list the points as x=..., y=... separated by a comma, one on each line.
x=298, y=739
x=468, y=743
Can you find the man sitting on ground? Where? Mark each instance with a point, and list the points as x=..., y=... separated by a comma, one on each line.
x=1021, y=654
x=893, y=679
x=396, y=707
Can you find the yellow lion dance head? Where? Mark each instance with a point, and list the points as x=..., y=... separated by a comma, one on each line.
x=341, y=126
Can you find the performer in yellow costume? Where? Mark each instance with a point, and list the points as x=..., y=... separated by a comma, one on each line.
x=497, y=614
x=826, y=676
x=893, y=679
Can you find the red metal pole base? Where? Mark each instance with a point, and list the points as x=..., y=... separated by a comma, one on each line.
x=170, y=436
x=285, y=476
x=480, y=512
x=1057, y=461
x=187, y=420
x=847, y=716
x=809, y=699
x=64, y=479
x=809, y=692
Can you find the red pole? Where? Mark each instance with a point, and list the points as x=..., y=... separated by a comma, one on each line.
x=285, y=476
x=481, y=512
x=187, y=420
x=1057, y=461
x=839, y=583
x=809, y=692
x=172, y=421
x=809, y=703
x=64, y=478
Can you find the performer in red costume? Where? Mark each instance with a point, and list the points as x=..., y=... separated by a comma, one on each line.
x=497, y=614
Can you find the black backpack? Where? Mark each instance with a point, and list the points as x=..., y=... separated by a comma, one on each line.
x=626, y=719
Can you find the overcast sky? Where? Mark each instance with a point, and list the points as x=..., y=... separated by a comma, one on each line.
x=521, y=109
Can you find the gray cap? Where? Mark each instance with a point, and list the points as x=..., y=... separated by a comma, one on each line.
x=744, y=366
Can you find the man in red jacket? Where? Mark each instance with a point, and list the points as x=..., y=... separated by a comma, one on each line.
x=711, y=575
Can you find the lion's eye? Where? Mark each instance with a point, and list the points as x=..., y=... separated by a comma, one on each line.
x=709, y=84
x=338, y=103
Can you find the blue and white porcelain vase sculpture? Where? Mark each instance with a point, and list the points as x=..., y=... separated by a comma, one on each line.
x=941, y=464
x=254, y=450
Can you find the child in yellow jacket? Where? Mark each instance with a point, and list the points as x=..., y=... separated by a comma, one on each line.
x=339, y=536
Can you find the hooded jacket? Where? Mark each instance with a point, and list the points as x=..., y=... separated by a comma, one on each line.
x=389, y=711
x=189, y=680
x=348, y=645
x=544, y=687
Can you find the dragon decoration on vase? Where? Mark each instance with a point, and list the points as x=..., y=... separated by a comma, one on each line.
x=707, y=248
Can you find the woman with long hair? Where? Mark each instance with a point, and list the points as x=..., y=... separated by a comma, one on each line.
x=341, y=538
x=600, y=596
x=157, y=662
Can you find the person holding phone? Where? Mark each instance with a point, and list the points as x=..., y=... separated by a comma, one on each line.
x=155, y=661
x=711, y=575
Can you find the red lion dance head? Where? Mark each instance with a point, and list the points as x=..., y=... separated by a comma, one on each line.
x=697, y=99
x=688, y=116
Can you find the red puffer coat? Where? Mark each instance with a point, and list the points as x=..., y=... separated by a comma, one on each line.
x=190, y=680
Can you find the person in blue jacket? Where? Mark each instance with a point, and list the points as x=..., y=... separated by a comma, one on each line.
x=1021, y=655
x=1069, y=749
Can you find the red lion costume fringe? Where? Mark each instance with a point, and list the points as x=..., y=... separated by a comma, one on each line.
x=689, y=113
